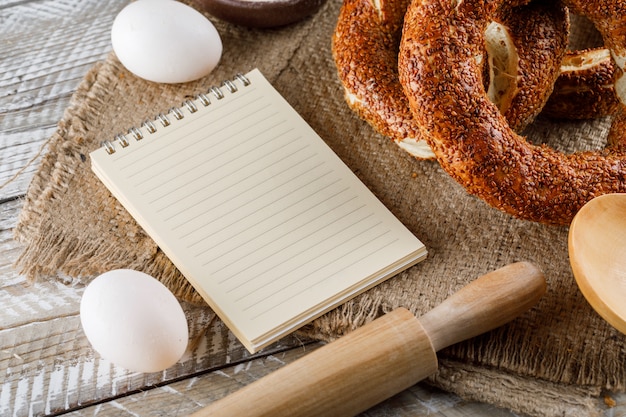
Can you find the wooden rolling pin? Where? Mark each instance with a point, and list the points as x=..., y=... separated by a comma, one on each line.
x=386, y=356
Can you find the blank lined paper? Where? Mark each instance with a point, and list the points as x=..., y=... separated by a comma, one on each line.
x=257, y=212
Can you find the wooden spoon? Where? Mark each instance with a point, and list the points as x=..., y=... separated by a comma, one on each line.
x=597, y=251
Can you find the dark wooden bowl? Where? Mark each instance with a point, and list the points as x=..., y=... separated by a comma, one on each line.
x=260, y=13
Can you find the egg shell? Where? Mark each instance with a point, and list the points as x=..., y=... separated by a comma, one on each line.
x=165, y=41
x=134, y=321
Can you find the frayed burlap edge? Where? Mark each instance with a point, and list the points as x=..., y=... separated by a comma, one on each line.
x=47, y=249
x=517, y=393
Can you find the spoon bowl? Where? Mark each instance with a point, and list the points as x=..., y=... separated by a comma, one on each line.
x=597, y=251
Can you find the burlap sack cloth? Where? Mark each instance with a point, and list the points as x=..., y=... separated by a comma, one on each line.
x=557, y=357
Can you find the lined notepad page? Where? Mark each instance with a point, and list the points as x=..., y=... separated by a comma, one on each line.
x=264, y=220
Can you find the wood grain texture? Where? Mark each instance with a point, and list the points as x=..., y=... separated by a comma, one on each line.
x=46, y=47
x=46, y=364
x=343, y=378
x=184, y=397
x=597, y=250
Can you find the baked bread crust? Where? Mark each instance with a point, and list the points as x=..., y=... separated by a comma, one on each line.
x=471, y=139
x=584, y=89
x=365, y=47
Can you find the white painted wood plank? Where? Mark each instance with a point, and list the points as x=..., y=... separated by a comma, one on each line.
x=46, y=47
x=184, y=397
x=20, y=155
x=49, y=367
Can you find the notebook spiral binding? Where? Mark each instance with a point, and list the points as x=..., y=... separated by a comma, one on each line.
x=191, y=106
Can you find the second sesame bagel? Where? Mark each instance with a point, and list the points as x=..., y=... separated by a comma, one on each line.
x=523, y=49
x=472, y=141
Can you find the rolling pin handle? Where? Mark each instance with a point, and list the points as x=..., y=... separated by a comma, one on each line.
x=484, y=304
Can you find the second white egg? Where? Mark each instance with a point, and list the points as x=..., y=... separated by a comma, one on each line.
x=134, y=321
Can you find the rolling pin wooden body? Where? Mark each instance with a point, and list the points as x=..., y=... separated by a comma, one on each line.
x=386, y=356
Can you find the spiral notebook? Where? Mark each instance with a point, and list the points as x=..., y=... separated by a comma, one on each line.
x=255, y=210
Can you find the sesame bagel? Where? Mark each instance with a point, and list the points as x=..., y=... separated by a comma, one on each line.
x=584, y=89
x=539, y=34
x=471, y=139
x=365, y=50
x=521, y=58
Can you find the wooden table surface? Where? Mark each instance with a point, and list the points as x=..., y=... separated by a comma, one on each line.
x=46, y=364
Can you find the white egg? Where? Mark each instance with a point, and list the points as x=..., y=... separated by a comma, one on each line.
x=134, y=321
x=165, y=41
